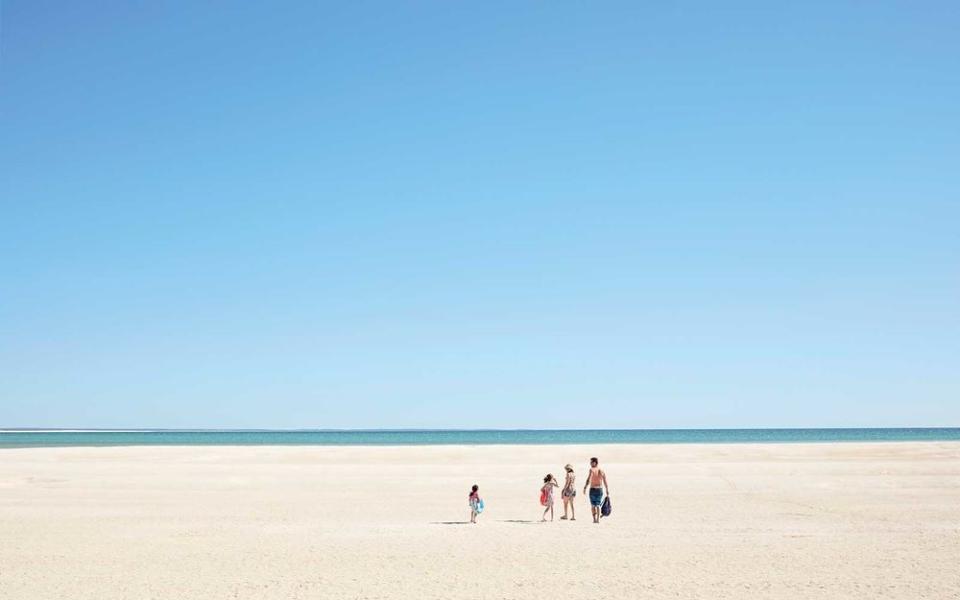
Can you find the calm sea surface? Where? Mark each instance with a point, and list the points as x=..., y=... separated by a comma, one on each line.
x=25, y=439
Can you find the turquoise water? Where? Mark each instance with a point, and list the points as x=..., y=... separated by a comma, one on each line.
x=27, y=439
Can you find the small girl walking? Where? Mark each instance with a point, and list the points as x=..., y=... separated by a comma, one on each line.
x=476, y=503
x=546, y=495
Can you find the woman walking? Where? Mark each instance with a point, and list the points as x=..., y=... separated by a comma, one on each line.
x=568, y=494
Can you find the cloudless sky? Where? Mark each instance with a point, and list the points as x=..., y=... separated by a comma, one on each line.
x=493, y=214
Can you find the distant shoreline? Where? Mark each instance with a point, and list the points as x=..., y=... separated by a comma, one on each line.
x=436, y=430
x=24, y=438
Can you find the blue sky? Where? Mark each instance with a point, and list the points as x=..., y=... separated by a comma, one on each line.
x=479, y=215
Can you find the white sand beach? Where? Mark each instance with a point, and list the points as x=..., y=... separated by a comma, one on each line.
x=879, y=520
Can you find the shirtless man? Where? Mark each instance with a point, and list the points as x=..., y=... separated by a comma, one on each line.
x=597, y=481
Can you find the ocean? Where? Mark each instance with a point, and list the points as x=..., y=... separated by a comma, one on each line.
x=247, y=437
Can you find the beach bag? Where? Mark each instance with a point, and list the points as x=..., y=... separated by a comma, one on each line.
x=543, y=497
x=479, y=508
x=605, y=508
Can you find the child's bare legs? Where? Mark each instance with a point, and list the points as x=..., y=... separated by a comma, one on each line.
x=548, y=509
x=473, y=516
x=566, y=504
x=573, y=513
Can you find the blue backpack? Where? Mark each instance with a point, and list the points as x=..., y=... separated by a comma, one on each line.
x=605, y=507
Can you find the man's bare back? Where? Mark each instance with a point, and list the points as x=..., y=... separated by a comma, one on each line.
x=596, y=477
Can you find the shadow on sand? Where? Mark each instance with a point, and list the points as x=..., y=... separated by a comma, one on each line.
x=517, y=521
x=522, y=522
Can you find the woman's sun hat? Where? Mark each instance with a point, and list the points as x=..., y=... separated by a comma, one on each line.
x=568, y=467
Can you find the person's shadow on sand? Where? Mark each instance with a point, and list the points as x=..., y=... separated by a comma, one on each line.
x=517, y=521
x=468, y=522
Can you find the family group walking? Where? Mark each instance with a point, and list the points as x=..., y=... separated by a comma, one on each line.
x=596, y=482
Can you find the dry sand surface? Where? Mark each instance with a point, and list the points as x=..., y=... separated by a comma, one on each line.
x=878, y=520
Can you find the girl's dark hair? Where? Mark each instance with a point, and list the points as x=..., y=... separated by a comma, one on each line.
x=548, y=477
x=475, y=488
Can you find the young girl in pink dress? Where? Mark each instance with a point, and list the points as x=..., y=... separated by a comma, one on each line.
x=546, y=495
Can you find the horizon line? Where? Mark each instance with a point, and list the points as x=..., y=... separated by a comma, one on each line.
x=429, y=430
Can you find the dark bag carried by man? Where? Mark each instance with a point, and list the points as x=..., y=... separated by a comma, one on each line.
x=605, y=507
